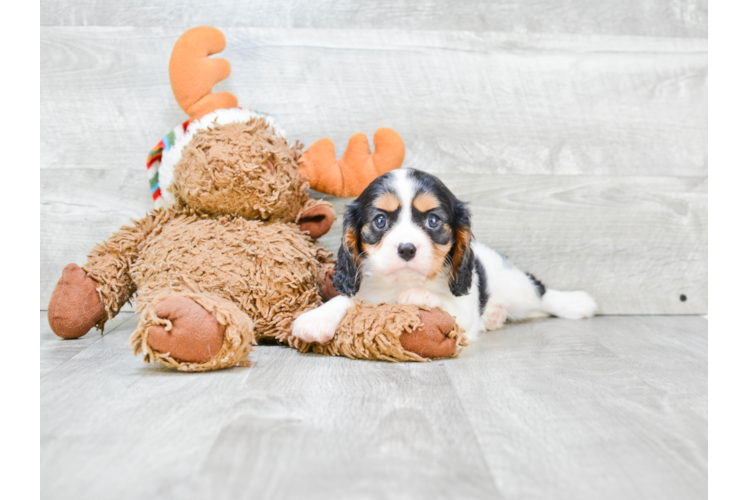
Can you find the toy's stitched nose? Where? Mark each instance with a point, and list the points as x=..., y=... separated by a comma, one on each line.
x=406, y=251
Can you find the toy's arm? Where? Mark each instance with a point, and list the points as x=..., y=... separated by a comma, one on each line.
x=89, y=296
x=358, y=166
x=109, y=262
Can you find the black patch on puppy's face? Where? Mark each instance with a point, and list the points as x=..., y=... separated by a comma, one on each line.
x=377, y=218
x=455, y=228
x=362, y=228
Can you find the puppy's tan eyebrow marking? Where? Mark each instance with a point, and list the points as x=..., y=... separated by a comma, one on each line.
x=423, y=202
x=389, y=202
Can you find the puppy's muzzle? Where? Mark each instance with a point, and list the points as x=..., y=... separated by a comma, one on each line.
x=406, y=251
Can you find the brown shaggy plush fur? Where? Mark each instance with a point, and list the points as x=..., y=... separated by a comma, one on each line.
x=373, y=332
x=223, y=171
x=235, y=245
x=237, y=332
x=255, y=278
x=270, y=271
x=109, y=262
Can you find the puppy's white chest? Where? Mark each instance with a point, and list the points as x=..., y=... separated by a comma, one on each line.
x=406, y=289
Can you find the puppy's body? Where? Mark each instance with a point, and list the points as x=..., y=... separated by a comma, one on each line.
x=407, y=240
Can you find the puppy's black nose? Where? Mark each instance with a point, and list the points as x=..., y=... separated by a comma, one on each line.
x=406, y=251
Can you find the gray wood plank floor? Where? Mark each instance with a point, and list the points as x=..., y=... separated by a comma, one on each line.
x=612, y=407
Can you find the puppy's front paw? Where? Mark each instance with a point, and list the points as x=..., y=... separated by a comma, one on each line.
x=315, y=326
x=418, y=297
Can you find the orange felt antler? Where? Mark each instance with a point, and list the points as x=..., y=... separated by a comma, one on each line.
x=193, y=75
x=356, y=168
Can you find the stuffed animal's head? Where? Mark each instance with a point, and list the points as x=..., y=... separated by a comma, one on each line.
x=245, y=169
x=232, y=161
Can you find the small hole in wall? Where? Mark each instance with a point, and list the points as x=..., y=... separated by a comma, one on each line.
x=683, y=298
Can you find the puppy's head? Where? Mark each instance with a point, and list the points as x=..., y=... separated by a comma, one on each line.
x=406, y=227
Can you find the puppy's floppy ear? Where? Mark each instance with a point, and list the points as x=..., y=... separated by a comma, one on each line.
x=463, y=260
x=347, y=278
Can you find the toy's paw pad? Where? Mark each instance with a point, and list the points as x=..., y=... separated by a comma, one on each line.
x=75, y=306
x=194, y=336
x=430, y=340
x=418, y=297
x=315, y=326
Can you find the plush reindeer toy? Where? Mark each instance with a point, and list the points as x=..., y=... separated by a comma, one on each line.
x=228, y=257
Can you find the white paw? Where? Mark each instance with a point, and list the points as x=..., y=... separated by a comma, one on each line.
x=315, y=326
x=575, y=305
x=418, y=297
x=494, y=317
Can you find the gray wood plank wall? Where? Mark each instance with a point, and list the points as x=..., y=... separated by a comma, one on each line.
x=576, y=129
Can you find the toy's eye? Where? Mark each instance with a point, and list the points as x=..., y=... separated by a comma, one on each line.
x=434, y=222
x=380, y=221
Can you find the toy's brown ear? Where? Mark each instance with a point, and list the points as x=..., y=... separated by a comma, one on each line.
x=356, y=168
x=317, y=219
x=193, y=75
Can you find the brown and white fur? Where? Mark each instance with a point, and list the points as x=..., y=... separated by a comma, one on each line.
x=407, y=240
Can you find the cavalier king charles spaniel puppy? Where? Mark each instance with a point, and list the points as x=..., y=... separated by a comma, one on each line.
x=407, y=240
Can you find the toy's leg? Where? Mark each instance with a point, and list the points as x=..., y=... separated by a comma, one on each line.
x=75, y=306
x=394, y=333
x=193, y=331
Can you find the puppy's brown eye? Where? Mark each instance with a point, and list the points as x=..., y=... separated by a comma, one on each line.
x=380, y=221
x=434, y=222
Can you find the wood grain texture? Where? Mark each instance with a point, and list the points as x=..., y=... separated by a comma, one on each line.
x=612, y=407
x=634, y=387
x=479, y=102
x=664, y=18
x=286, y=427
x=56, y=351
